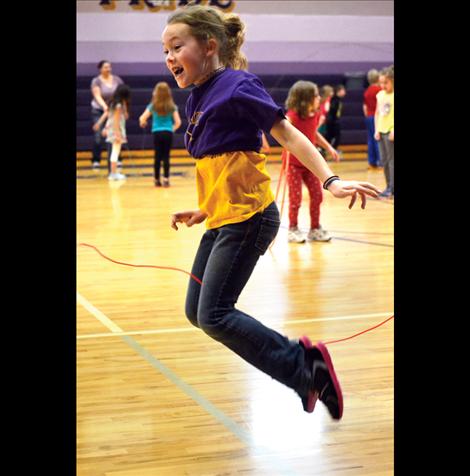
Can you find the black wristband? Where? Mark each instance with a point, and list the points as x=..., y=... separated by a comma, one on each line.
x=329, y=181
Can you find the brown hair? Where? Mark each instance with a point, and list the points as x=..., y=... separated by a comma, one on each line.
x=325, y=92
x=162, y=99
x=300, y=97
x=122, y=95
x=227, y=28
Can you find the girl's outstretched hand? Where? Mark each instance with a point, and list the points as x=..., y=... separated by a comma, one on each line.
x=345, y=188
x=190, y=217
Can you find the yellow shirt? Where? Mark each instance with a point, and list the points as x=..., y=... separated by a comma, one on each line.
x=385, y=108
x=232, y=187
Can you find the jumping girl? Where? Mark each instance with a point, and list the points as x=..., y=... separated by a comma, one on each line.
x=227, y=110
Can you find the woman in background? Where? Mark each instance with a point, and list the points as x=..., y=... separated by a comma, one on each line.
x=103, y=87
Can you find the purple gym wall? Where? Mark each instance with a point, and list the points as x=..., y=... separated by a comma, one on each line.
x=296, y=37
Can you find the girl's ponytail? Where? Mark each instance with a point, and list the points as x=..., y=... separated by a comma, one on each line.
x=235, y=33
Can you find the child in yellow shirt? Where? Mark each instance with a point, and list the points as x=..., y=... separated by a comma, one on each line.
x=384, y=128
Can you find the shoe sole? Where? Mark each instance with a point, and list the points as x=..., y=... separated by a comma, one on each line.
x=309, y=402
x=327, y=358
x=294, y=240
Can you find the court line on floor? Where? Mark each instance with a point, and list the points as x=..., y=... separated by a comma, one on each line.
x=341, y=238
x=195, y=329
x=105, y=320
x=363, y=232
x=277, y=465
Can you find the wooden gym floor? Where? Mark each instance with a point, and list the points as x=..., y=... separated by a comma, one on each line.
x=157, y=397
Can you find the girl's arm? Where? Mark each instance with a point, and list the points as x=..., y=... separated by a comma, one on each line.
x=322, y=142
x=96, y=91
x=295, y=142
x=100, y=121
x=176, y=120
x=376, y=120
x=364, y=109
x=144, y=118
x=189, y=217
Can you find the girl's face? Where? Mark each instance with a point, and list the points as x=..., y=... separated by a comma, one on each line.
x=185, y=56
x=386, y=84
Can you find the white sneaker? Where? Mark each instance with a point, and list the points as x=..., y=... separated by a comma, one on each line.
x=116, y=176
x=318, y=234
x=294, y=235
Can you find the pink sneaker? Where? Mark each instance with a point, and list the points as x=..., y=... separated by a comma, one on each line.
x=326, y=386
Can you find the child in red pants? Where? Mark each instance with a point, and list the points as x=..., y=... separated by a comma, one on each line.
x=302, y=106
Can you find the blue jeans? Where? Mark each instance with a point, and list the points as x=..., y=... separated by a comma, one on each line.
x=224, y=262
x=372, y=145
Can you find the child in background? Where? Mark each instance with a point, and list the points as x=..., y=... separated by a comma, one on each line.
x=115, y=128
x=384, y=128
x=165, y=121
x=333, y=127
x=227, y=109
x=326, y=93
x=302, y=104
x=369, y=106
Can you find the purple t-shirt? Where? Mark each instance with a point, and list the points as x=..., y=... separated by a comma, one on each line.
x=106, y=90
x=227, y=113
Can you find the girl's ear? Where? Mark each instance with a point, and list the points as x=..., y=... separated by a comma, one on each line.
x=212, y=47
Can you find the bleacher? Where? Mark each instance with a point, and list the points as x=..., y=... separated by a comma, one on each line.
x=352, y=122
